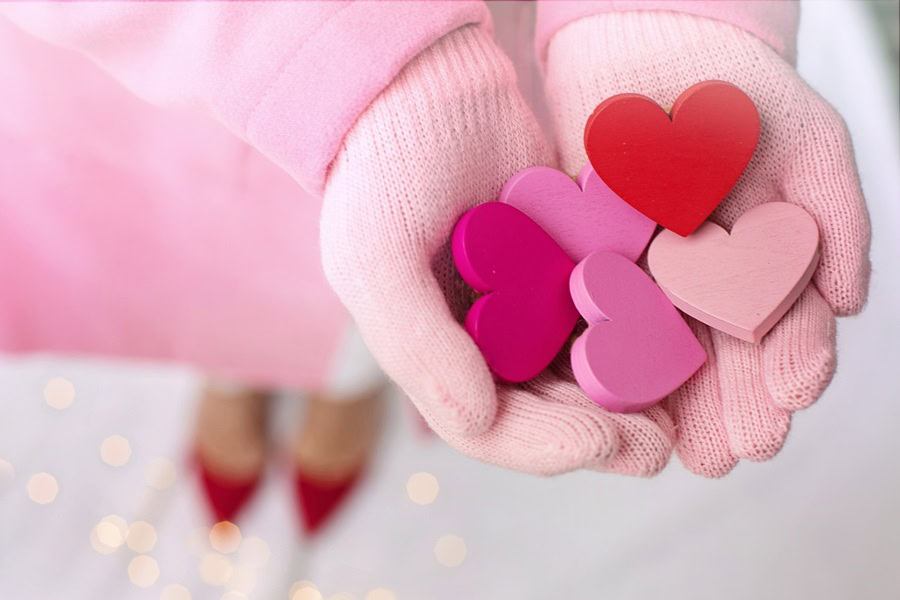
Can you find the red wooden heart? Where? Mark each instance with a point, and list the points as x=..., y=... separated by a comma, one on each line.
x=675, y=171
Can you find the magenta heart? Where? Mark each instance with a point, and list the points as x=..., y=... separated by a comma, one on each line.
x=582, y=217
x=527, y=313
x=637, y=348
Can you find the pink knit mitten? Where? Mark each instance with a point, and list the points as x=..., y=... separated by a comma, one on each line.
x=739, y=404
x=444, y=136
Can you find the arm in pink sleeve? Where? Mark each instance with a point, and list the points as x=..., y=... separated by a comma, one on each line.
x=290, y=78
x=773, y=21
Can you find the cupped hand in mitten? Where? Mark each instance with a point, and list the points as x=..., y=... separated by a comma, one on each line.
x=740, y=403
x=443, y=137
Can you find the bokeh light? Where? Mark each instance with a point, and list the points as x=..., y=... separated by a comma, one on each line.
x=143, y=571
x=141, y=537
x=42, y=488
x=304, y=590
x=422, y=487
x=115, y=451
x=59, y=393
x=450, y=550
x=380, y=594
x=225, y=537
x=109, y=534
x=97, y=545
x=7, y=472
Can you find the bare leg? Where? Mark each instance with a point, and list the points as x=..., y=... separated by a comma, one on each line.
x=338, y=435
x=231, y=431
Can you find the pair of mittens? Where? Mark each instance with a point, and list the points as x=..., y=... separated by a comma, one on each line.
x=552, y=248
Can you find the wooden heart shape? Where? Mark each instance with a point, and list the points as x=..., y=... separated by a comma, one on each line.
x=675, y=171
x=527, y=313
x=637, y=349
x=582, y=217
x=741, y=283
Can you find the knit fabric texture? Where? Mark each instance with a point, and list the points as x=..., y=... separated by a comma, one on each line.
x=445, y=136
x=739, y=404
x=290, y=78
x=301, y=81
x=773, y=21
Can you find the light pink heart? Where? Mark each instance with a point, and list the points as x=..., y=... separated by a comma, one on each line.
x=582, y=217
x=637, y=349
x=742, y=283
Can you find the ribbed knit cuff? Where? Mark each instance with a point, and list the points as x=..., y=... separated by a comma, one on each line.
x=305, y=113
x=773, y=21
x=442, y=101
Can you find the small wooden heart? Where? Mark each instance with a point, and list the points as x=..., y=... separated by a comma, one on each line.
x=526, y=313
x=741, y=283
x=637, y=348
x=674, y=170
x=583, y=216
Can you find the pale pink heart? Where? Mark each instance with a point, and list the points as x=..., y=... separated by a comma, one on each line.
x=637, y=348
x=742, y=283
x=582, y=217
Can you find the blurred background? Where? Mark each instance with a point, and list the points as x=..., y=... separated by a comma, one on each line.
x=98, y=499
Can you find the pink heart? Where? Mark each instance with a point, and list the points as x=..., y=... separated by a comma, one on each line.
x=582, y=217
x=741, y=283
x=527, y=314
x=637, y=349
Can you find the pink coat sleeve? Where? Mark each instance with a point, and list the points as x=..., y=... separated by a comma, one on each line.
x=773, y=21
x=290, y=78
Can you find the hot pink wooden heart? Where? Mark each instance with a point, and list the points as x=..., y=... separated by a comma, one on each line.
x=741, y=283
x=582, y=217
x=637, y=349
x=527, y=313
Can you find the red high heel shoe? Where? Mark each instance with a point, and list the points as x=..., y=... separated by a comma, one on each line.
x=226, y=494
x=322, y=487
x=226, y=497
x=319, y=499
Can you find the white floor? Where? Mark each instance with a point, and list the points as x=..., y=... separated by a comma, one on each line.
x=821, y=521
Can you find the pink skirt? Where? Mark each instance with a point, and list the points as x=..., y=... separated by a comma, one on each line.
x=133, y=231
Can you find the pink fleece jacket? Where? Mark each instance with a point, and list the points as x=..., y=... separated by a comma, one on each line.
x=151, y=206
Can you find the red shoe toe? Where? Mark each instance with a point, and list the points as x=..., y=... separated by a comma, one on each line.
x=319, y=499
x=226, y=497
